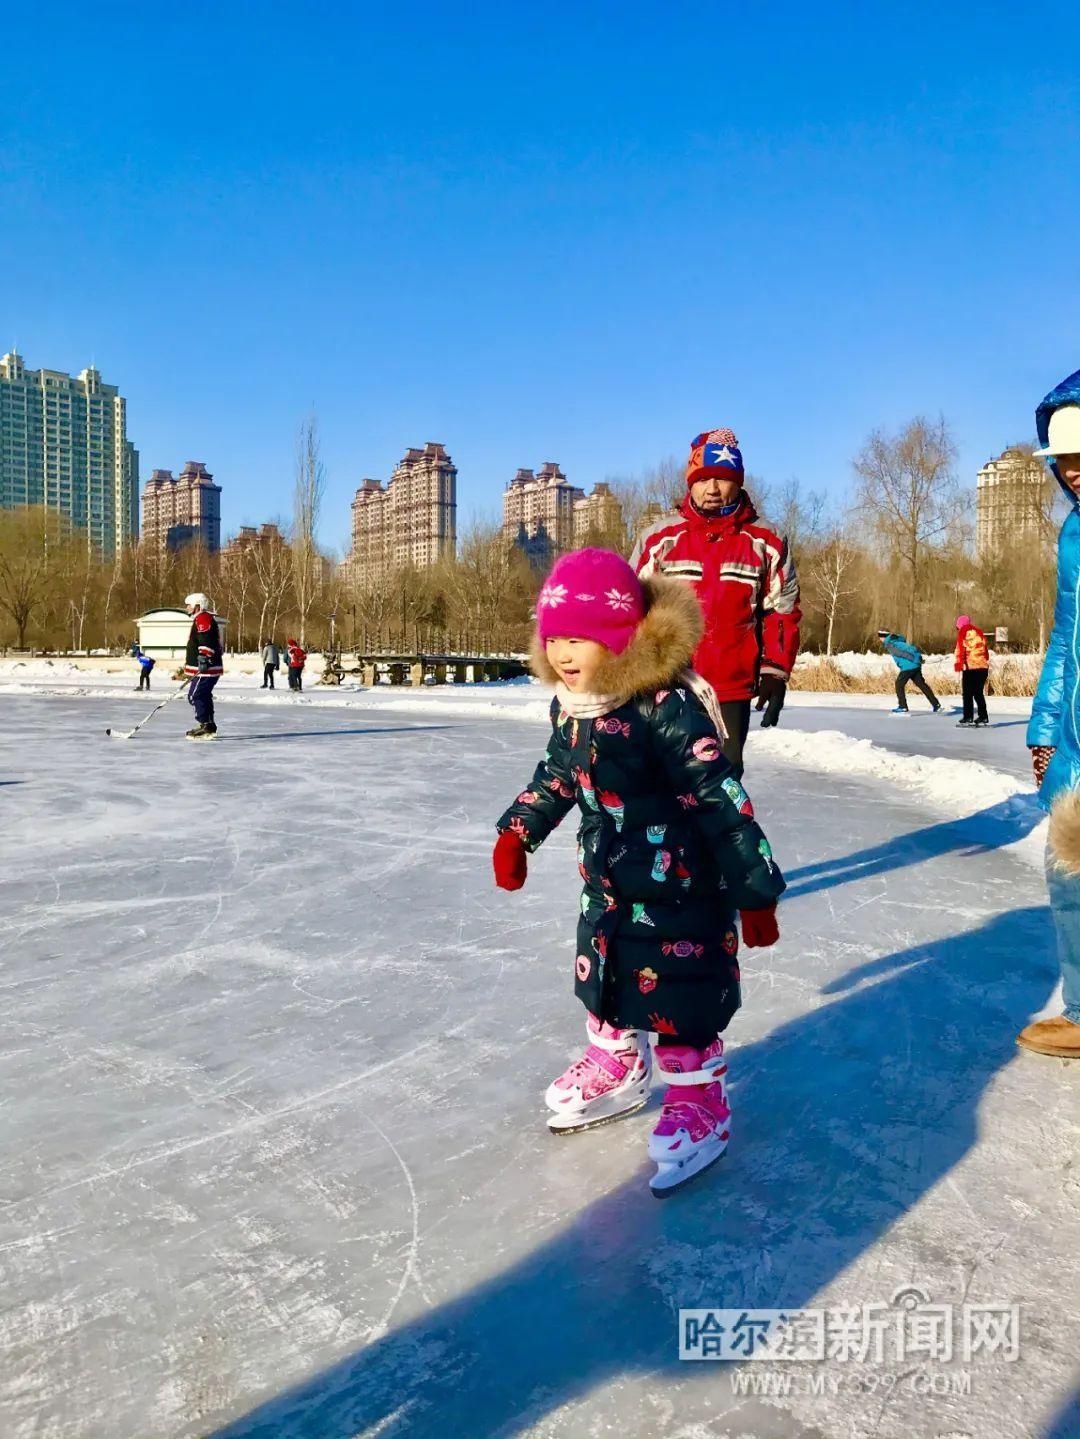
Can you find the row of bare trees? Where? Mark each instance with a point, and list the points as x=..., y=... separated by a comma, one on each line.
x=893, y=552
x=897, y=552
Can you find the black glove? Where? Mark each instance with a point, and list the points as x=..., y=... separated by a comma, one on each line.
x=204, y=663
x=771, y=693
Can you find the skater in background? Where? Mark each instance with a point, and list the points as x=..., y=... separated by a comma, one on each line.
x=972, y=663
x=146, y=664
x=295, y=657
x=1054, y=731
x=668, y=848
x=743, y=576
x=909, y=663
x=203, y=663
x=271, y=663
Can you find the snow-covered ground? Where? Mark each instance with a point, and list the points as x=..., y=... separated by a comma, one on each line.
x=273, y=1050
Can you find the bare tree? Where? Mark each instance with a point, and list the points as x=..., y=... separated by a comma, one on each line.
x=417, y=600
x=331, y=599
x=907, y=491
x=796, y=515
x=488, y=586
x=189, y=569
x=116, y=574
x=78, y=576
x=374, y=597
x=831, y=571
x=30, y=541
x=308, y=492
x=644, y=498
x=236, y=580
x=1037, y=572
x=272, y=562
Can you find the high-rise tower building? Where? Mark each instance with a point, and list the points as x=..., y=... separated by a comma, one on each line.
x=182, y=510
x=541, y=502
x=411, y=521
x=64, y=444
x=248, y=538
x=1010, y=501
x=598, y=516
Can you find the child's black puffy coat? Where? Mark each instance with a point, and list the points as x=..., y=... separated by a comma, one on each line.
x=668, y=846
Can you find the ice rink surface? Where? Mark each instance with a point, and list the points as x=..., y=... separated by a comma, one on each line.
x=273, y=1051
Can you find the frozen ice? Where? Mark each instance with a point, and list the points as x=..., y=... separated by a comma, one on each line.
x=273, y=1051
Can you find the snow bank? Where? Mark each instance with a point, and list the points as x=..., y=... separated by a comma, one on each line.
x=857, y=665
x=883, y=702
x=1016, y=674
x=507, y=699
x=953, y=787
x=957, y=787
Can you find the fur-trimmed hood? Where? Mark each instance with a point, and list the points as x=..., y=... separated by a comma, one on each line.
x=660, y=651
x=1067, y=393
x=1064, y=833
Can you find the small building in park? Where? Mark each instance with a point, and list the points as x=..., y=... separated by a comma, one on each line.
x=164, y=633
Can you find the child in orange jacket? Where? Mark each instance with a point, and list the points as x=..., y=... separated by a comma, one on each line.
x=973, y=665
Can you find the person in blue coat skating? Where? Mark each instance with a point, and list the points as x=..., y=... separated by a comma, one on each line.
x=146, y=664
x=1053, y=734
x=909, y=662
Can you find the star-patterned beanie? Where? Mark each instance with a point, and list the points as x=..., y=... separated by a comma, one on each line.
x=715, y=454
x=591, y=595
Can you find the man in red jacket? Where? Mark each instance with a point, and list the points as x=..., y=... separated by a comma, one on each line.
x=746, y=582
x=297, y=658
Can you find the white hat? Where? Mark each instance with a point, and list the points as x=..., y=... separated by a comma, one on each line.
x=200, y=600
x=1064, y=437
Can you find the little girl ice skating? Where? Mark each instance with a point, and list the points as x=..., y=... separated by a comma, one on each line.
x=668, y=849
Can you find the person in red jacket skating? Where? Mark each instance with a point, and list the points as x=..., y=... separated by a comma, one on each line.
x=297, y=657
x=745, y=580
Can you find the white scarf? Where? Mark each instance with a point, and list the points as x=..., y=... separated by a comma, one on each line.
x=590, y=706
x=584, y=706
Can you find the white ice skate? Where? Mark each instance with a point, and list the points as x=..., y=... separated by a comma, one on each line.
x=695, y=1123
x=608, y=1082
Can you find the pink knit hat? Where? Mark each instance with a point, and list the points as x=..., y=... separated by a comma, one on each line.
x=963, y=622
x=591, y=595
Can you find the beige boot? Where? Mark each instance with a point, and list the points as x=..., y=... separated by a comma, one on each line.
x=1057, y=1036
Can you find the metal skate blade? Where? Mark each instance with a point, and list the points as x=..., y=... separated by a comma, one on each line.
x=578, y=1126
x=680, y=1178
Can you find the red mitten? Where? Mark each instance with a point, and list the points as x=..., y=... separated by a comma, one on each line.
x=1041, y=755
x=509, y=860
x=759, y=927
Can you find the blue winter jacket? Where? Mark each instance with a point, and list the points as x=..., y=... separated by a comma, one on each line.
x=907, y=657
x=1054, y=714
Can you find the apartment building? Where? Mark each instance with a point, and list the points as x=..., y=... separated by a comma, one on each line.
x=1012, y=497
x=184, y=509
x=64, y=444
x=411, y=521
x=598, y=516
x=541, y=502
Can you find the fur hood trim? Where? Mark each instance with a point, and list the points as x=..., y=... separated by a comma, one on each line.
x=1064, y=835
x=661, y=649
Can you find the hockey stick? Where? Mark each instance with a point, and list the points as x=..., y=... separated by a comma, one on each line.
x=127, y=734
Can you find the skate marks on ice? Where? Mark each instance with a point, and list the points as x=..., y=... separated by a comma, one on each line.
x=236, y=1224
x=332, y=733
x=996, y=827
x=842, y=1127
x=224, y=972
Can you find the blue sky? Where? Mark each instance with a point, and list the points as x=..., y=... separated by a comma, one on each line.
x=578, y=232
